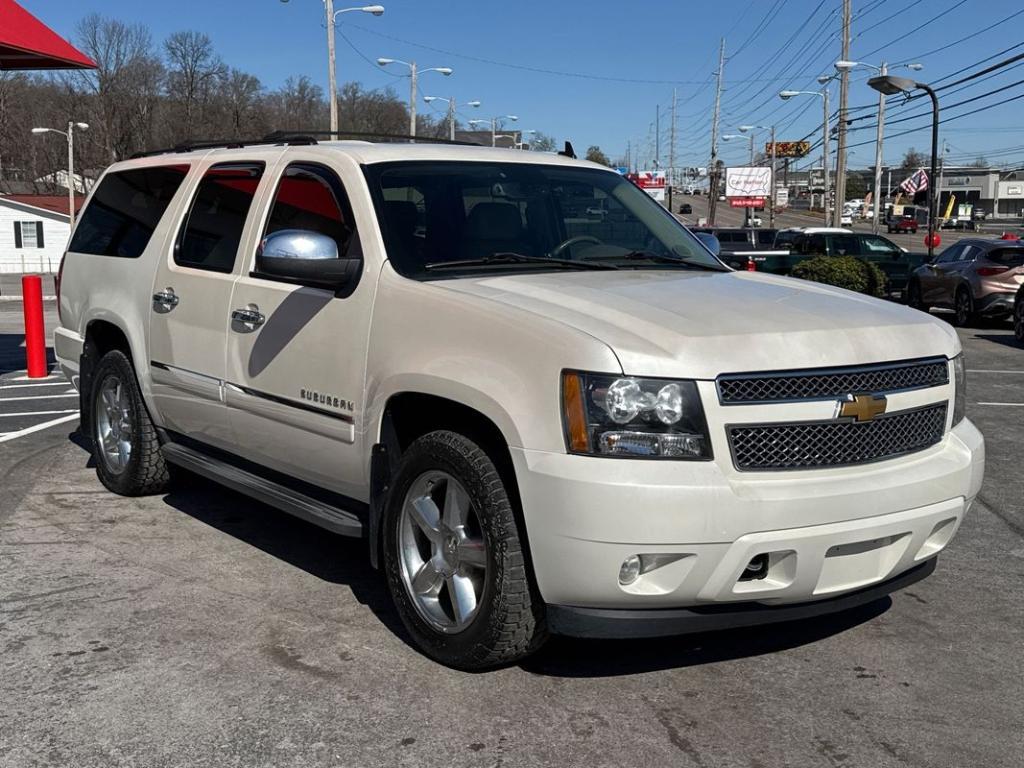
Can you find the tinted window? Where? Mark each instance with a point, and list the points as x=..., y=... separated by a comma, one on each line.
x=311, y=197
x=432, y=213
x=950, y=254
x=765, y=236
x=1012, y=257
x=845, y=245
x=211, y=233
x=125, y=209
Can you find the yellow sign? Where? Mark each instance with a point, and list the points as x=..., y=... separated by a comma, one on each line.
x=788, y=148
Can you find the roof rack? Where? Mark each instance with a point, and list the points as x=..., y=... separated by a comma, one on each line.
x=291, y=138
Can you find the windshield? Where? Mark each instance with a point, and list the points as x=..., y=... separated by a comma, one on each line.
x=443, y=219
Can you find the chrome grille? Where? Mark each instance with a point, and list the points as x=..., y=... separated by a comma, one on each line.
x=807, y=445
x=746, y=389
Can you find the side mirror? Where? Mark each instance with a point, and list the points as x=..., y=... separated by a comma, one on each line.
x=710, y=242
x=305, y=257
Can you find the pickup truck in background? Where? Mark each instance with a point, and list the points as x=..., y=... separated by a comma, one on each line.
x=740, y=246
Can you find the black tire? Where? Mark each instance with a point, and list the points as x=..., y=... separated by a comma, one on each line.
x=509, y=622
x=145, y=471
x=963, y=308
x=914, y=299
x=1018, y=316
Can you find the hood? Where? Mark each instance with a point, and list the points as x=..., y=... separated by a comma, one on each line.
x=701, y=324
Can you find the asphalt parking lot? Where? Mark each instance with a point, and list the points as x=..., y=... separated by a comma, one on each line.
x=203, y=629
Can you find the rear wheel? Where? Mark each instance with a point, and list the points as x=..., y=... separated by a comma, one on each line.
x=124, y=441
x=914, y=298
x=1018, y=316
x=453, y=557
x=963, y=308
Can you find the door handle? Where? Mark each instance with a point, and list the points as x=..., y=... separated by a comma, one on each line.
x=165, y=300
x=249, y=317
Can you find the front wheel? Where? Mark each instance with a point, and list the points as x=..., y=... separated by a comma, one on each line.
x=453, y=557
x=124, y=440
x=1018, y=317
x=964, y=308
x=914, y=298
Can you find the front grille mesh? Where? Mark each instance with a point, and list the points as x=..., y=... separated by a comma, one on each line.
x=824, y=382
x=766, y=447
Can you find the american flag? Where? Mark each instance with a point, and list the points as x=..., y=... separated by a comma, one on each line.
x=918, y=182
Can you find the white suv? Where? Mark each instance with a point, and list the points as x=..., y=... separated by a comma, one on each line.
x=541, y=421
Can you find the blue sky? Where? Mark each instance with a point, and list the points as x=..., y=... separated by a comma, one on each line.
x=595, y=72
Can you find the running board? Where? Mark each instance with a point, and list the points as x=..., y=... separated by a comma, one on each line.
x=267, y=491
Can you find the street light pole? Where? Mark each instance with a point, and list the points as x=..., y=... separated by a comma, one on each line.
x=413, y=77
x=823, y=93
x=879, y=137
x=451, y=111
x=888, y=85
x=70, y=136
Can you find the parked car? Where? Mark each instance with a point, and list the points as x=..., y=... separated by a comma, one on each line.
x=686, y=208
x=538, y=422
x=973, y=277
x=846, y=219
x=752, y=221
x=895, y=261
x=902, y=224
x=740, y=246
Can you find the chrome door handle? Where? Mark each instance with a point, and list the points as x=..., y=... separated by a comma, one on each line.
x=165, y=300
x=249, y=316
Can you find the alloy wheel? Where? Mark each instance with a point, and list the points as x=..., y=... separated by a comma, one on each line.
x=963, y=307
x=113, y=430
x=442, y=552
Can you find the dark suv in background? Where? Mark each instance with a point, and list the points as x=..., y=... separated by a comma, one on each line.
x=896, y=262
x=973, y=277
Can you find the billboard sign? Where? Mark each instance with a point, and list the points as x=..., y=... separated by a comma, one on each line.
x=788, y=148
x=781, y=197
x=748, y=182
x=651, y=182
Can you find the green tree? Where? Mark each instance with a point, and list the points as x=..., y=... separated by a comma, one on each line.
x=595, y=155
x=855, y=187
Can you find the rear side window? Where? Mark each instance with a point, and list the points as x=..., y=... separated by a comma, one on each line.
x=1011, y=257
x=125, y=209
x=845, y=245
x=210, y=236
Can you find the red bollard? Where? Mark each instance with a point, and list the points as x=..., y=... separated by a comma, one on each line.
x=35, y=335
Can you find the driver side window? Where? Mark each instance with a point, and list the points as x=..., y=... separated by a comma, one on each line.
x=949, y=255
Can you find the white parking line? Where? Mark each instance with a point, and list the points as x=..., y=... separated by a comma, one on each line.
x=4, y=437
x=26, y=377
x=40, y=384
x=978, y=370
x=39, y=397
x=1008, y=405
x=36, y=413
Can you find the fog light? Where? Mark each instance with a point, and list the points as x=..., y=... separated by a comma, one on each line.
x=630, y=570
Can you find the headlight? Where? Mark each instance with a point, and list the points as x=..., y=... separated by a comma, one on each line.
x=959, y=389
x=626, y=416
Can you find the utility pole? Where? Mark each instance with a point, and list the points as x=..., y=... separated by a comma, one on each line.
x=657, y=137
x=713, y=167
x=451, y=119
x=825, y=151
x=332, y=83
x=844, y=88
x=412, y=98
x=672, y=150
x=771, y=203
x=879, y=136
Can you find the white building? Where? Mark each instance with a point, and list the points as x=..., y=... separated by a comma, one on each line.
x=34, y=232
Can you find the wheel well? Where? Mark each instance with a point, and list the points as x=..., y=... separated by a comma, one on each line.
x=410, y=415
x=101, y=337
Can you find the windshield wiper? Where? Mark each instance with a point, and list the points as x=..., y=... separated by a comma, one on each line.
x=665, y=259
x=510, y=257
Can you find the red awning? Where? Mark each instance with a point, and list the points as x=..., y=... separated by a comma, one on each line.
x=27, y=43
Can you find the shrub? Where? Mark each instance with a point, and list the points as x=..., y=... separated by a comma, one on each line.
x=843, y=272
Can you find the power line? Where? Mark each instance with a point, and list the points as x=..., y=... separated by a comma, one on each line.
x=918, y=28
x=968, y=37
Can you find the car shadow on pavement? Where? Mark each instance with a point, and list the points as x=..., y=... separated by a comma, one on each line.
x=12, y=353
x=1006, y=339
x=325, y=555
x=573, y=657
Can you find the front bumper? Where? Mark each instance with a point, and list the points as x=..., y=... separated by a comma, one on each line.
x=826, y=532
x=617, y=624
x=995, y=303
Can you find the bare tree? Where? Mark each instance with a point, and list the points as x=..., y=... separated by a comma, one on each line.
x=125, y=86
x=193, y=72
x=240, y=98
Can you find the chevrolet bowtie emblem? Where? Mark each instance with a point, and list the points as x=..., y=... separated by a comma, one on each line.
x=862, y=408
